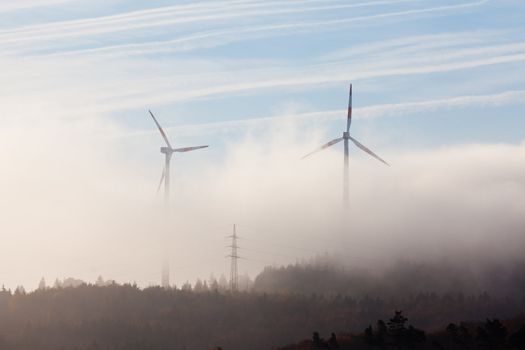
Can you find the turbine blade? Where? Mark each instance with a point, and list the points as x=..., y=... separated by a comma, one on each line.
x=161, y=178
x=364, y=148
x=160, y=129
x=187, y=149
x=349, y=118
x=326, y=145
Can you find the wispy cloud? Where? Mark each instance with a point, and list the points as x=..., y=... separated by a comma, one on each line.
x=9, y=6
x=111, y=87
x=514, y=97
x=166, y=92
x=213, y=15
x=213, y=38
x=179, y=14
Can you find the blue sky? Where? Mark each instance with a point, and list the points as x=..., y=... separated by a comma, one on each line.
x=262, y=82
x=206, y=62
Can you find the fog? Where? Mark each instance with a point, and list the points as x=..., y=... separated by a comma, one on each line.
x=78, y=200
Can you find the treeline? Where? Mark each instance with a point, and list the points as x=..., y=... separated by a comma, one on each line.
x=113, y=316
x=328, y=277
x=220, y=284
x=397, y=333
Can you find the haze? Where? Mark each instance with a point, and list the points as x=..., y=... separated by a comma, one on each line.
x=440, y=98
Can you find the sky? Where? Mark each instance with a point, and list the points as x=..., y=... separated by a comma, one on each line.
x=437, y=92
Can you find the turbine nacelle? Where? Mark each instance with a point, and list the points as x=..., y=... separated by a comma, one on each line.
x=346, y=135
x=166, y=150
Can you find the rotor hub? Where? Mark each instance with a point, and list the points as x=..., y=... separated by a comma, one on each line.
x=166, y=150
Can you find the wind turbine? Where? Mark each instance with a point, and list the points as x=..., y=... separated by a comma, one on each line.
x=346, y=136
x=168, y=152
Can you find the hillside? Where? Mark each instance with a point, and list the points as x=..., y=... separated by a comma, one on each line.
x=126, y=317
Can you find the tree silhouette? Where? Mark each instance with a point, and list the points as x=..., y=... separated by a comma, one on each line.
x=491, y=335
x=42, y=284
x=517, y=339
x=396, y=325
x=332, y=342
x=394, y=333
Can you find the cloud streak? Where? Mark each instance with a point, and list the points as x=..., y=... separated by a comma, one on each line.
x=110, y=87
x=514, y=97
x=180, y=14
x=10, y=6
x=209, y=13
x=281, y=79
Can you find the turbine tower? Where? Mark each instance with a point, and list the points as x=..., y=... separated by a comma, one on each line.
x=346, y=137
x=168, y=152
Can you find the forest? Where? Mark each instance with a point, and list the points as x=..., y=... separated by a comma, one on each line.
x=397, y=333
x=312, y=298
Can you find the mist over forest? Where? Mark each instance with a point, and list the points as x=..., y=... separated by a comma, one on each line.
x=326, y=276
